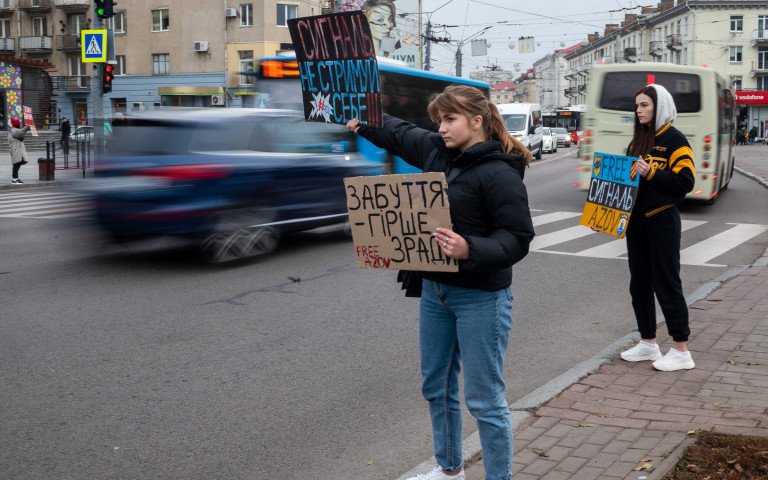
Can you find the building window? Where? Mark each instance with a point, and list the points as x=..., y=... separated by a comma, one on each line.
x=737, y=23
x=734, y=54
x=161, y=64
x=246, y=65
x=735, y=82
x=120, y=67
x=246, y=15
x=161, y=22
x=685, y=25
x=5, y=28
x=76, y=67
x=39, y=27
x=762, y=83
x=117, y=23
x=286, y=12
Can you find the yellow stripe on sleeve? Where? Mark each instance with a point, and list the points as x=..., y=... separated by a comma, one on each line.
x=682, y=158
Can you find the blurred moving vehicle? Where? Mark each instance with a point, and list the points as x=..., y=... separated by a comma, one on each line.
x=562, y=136
x=548, y=140
x=232, y=180
x=523, y=121
x=82, y=133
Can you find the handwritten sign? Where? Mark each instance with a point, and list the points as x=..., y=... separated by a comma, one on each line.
x=393, y=218
x=29, y=120
x=612, y=194
x=337, y=68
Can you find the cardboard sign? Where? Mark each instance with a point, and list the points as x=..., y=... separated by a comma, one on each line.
x=337, y=68
x=29, y=120
x=393, y=218
x=612, y=194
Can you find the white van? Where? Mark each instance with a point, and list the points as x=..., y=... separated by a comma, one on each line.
x=523, y=121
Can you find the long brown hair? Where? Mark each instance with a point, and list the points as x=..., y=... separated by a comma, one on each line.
x=644, y=136
x=470, y=102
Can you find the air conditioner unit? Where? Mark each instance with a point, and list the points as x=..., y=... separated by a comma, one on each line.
x=201, y=46
x=217, y=100
x=230, y=12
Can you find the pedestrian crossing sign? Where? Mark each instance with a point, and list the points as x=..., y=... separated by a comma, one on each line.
x=93, y=45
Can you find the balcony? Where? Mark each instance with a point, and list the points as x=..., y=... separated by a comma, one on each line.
x=570, y=73
x=68, y=43
x=7, y=7
x=570, y=92
x=656, y=49
x=759, y=37
x=630, y=54
x=581, y=89
x=73, y=6
x=584, y=69
x=7, y=45
x=761, y=69
x=72, y=84
x=35, y=44
x=674, y=42
x=35, y=6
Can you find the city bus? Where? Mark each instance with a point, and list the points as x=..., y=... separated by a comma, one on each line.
x=705, y=115
x=405, y=93
x=568, y=118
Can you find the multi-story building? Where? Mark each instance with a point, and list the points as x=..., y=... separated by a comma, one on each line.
x=728, y=36
x=550, y=80
x=503, y=92
x=168, y=52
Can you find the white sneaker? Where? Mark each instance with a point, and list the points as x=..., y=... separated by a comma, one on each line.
x=641, y=352
x=439, y=474
x=674, y=360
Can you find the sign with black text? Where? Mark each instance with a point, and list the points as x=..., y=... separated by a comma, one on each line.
x=337, y=68
x=612, y=193
x=393, y=217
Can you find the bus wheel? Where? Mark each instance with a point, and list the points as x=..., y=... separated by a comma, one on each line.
x=730, y=176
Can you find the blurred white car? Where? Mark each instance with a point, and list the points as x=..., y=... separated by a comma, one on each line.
x=548, y=142
x=82, y=133
x=562, y=136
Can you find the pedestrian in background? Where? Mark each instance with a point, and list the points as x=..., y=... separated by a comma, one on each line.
x=752, y=135
x=653, y=235
x=66, y=129
x=465, y=317
x=17, y=149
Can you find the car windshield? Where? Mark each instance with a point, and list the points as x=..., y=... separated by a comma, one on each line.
x=560, y=131
x=514, y=122
x=547, y=131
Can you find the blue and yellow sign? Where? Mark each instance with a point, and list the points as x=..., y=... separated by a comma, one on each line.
x=93, y=46
x=612, y=194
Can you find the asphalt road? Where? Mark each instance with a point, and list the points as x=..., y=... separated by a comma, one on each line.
x=142, y=362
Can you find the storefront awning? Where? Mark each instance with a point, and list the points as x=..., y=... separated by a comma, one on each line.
x=191, y=91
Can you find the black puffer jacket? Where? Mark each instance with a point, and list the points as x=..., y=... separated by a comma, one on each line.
x=489, y=202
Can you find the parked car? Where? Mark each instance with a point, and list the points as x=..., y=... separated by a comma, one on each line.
x=232, y=180
x=562, y=137
x=81, y=133
x=548, y=140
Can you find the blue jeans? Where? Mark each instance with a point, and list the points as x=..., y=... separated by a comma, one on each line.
x=471, y=327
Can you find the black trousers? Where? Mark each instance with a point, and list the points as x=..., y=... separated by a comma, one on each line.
x=16, y=167
x=653, y=246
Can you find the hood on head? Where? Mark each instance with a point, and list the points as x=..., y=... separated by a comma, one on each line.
x=665, y=106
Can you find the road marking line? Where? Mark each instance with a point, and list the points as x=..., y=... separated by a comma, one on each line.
x=560, y=236
x=707, y=249
x=72, y=203
x=553, y=217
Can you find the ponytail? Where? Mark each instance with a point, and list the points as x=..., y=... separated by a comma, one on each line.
x=495, y=129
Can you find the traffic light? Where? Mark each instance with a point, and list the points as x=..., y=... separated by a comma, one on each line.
x=104, y=8
x=107, y=75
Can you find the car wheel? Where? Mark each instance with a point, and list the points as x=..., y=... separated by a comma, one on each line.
x=240, y=234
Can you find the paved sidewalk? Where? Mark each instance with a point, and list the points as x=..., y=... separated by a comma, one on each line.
x=30, y=173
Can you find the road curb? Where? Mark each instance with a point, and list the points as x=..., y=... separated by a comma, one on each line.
x=523, y=408
x=762, y=181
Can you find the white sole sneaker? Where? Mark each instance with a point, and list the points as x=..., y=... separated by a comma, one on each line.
x=673, y=362
x=642, y=353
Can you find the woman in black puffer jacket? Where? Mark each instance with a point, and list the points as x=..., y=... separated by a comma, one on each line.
x=465, y=316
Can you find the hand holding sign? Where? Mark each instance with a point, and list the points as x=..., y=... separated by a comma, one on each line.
x=612, y=193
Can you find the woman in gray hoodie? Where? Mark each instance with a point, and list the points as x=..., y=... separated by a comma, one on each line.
x=17, y=148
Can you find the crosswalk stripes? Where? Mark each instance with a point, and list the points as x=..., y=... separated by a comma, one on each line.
x=46, y=205
x=700, y=253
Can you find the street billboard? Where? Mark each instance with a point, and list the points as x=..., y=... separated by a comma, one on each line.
x=395, y=25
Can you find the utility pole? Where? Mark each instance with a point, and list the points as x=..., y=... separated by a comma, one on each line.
x=97, y=97
x=428, y=38
x=458, y=59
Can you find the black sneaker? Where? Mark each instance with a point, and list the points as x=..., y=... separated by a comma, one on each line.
x=24, y=162
x=16, y=181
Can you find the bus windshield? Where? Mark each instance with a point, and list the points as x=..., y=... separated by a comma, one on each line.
x=619, y=90
x=514, y=122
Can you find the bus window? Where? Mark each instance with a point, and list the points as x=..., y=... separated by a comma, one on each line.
x=619, y=90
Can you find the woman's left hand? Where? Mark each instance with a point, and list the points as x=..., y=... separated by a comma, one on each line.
x=452, y=243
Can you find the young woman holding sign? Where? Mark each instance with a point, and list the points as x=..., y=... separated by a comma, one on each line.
x=465, y=316
x=653, y=236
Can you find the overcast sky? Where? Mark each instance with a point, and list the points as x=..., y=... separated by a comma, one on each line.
x=550, y=22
